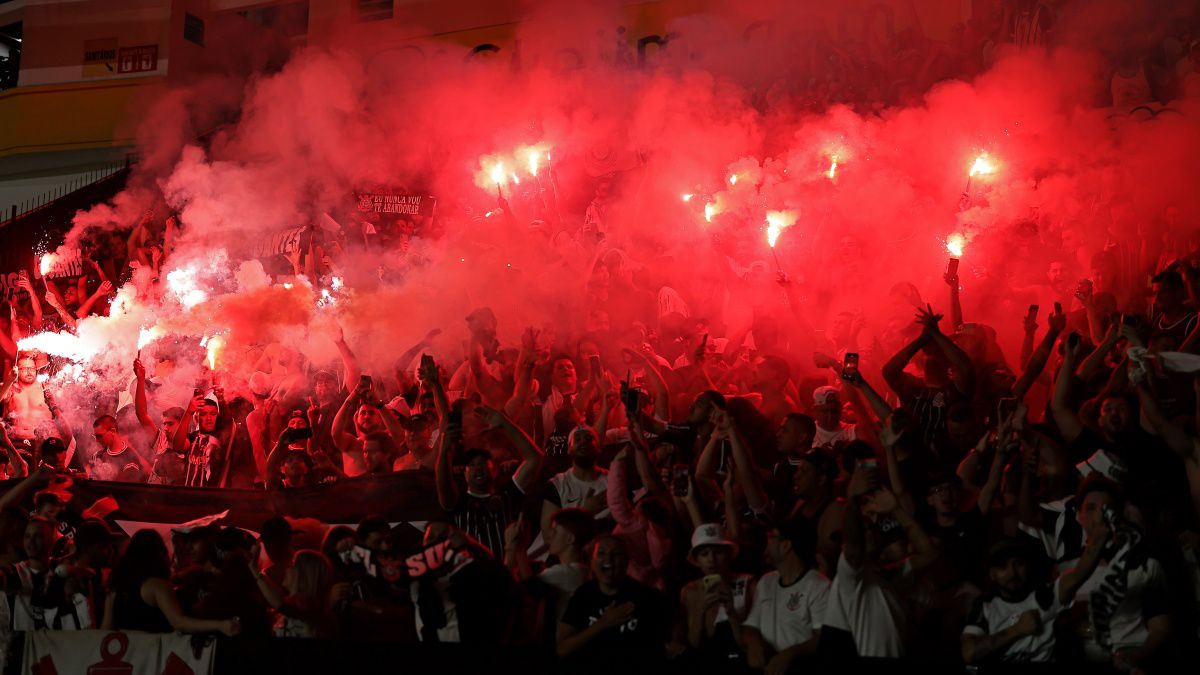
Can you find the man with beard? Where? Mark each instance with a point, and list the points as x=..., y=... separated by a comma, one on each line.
x=369, y=417
x=1015, y=623
x=26, y=404
x=584, y=485
x=482, y=509
x=219, y=452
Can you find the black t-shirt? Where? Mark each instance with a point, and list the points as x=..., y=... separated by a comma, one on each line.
x=123, y=466
x=644, y=631
x=928, y=405
x=484, y=518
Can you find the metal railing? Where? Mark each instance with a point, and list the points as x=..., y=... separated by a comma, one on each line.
x=87, y=179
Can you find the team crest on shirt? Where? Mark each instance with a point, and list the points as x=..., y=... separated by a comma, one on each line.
x=793, y=601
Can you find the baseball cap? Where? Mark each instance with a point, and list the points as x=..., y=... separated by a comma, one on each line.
x=826, y=395
x=324, y=375
x=259, y=383
x=709, y=534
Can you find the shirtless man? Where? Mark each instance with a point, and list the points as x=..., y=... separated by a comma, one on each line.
x=26, y=404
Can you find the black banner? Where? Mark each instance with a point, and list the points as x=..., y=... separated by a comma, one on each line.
x=401, y=497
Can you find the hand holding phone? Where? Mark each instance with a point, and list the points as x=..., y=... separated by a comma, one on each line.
x=850, y=367
x=679, y=480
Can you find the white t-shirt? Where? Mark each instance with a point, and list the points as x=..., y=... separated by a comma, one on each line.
x=843, y=434
x=992, y=615
x=563, y=580
x=866, y=606
x=1145, y=596
x=572, y=490
x=787, y=615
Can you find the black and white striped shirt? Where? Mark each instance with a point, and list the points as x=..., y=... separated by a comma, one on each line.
x=484, y=517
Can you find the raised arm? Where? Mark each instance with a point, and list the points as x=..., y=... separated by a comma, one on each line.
x=15, y=495
x=654, y=380
x=447, y=491
x=1174, y=435
x=180, y=441
x=884, y=502
x=1092, y=364
x=526, y=363
x=893, y=370
x=342, y=430
x=350, y=367
x=953, y=353
x=35, y=304
x=956, y=313
x=1065, y=416
x=139, y=399
x=104, y=289
x=531, y=456
x=1036, y=363
x=17, y=466
x=164, y=599
x=748, y=476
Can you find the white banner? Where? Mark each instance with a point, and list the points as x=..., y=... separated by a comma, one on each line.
x=96, y=651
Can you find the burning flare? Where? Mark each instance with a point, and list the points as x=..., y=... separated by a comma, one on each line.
x=534, y=156
x=710, y=210
x=182, y=284
x=982, y=166
x=733, y=179
x=148, y=335
x=47, y=263
x=833, y=163
x=214, y=345
x=955, y=244
x=498, y=173
x=777, y=221
x=687, y=197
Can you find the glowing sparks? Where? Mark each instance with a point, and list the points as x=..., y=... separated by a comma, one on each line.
x=67, y=345
x=148, y=335
x=955, y=244
x=733, y=179
x=777, y=221
x=213, y=347
x=182, y=284
x=47, y=263
x=534, y=156
x=833, y=165
x=982, y=166
x=687, y=197
x=515, y=179
x=710, y=210
x=336, y=283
